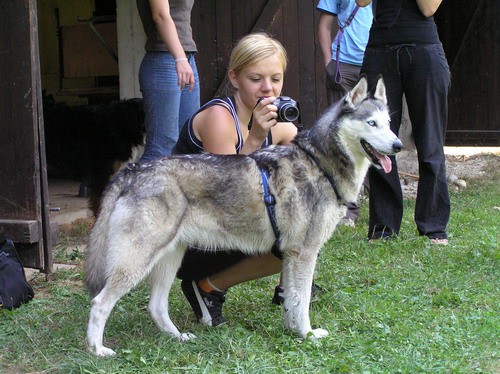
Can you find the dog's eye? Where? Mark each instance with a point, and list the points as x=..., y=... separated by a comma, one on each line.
x=371, y=123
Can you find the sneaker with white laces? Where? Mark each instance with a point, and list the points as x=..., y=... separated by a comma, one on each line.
x=206, y=306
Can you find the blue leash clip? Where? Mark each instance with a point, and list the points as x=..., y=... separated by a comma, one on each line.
x=270, y=202
x=268, y=196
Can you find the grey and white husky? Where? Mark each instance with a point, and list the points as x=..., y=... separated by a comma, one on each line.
x=151, y=213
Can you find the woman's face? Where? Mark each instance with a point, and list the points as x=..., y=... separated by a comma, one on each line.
x=261, y=79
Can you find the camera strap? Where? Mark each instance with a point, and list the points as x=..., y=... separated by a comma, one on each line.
x=299, y=125
x=270, y=202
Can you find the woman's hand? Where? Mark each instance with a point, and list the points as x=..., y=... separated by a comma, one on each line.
x=265, y=115
x=160, y=11
x=185, y=74
x=263, y=119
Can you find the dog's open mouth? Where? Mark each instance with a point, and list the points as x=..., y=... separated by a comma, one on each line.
x=377, y=158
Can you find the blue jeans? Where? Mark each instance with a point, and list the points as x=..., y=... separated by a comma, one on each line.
x=166, y=106
x=421, y=72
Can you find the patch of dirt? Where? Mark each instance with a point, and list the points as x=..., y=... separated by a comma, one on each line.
x=77, y=231
x=460, y=170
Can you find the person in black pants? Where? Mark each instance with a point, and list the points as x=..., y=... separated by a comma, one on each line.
x=404, y=47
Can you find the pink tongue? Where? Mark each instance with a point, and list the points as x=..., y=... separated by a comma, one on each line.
x=385, y=162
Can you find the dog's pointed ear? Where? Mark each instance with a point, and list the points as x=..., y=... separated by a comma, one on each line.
x=379, y=93
x=358, y=93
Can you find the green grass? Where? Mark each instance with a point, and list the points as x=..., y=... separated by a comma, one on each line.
x=398, y=306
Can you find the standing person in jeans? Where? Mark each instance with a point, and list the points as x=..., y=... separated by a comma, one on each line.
x=343, y=33
x=238, y=124
x=404, y=47
x=168, y=76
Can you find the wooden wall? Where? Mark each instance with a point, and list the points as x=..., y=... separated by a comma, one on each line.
x=467, y=30
x=466, y=27
x=470, y=38
x=24, y=214
x=217, y=25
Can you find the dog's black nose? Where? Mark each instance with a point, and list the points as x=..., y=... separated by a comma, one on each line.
x=397, y=146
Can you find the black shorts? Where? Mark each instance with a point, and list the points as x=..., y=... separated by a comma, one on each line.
x=199, y=264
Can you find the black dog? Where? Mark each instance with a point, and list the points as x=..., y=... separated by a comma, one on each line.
x=90, y=142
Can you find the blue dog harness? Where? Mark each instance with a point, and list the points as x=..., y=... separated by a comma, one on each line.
x=270, y=202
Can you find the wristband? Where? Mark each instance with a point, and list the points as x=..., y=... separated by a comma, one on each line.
x=181, y=59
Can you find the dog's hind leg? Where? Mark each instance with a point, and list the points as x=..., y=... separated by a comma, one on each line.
x=101, y=308
x=125, y=274
x=162, y=278
x=298, y=272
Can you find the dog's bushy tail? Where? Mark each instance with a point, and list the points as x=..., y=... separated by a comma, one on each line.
x=96, y=256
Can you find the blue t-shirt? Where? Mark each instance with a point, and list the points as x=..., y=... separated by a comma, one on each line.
x=355, y=36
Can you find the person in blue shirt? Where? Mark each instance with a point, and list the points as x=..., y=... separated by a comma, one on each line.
x=353, y=39
x=345, y=26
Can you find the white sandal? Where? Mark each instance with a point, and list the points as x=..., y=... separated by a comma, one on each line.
x=439, y=241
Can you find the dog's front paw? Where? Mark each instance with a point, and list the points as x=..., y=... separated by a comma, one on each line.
x=317, y=334
x=186, y=336
x=103, y=351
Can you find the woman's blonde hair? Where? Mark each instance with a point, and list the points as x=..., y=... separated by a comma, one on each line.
x=253, y=48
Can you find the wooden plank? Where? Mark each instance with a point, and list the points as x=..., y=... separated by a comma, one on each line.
x=242, y=22
x=204, y=26
x=307, y=62
x=29, y=255
x=225, y=41
x=21, y=193
x=289, y=36
x=452, y=23
x=262, y=23
x=20, y=231
x=267, y=15
x=84, y=55
x=474, y=113
x=276, y=27
x=320, y=84
x=19, y=189
x=48, y=230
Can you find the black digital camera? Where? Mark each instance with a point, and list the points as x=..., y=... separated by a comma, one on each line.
x=288, y=109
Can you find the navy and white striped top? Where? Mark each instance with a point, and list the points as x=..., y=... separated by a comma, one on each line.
x=188, y=143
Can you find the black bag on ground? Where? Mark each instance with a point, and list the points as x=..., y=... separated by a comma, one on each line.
x=14, y=289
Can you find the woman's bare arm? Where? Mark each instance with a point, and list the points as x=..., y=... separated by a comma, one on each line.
x=428, y=7
x=215, y=128
x=160, y=11
x=363, y=3
x=326, y=26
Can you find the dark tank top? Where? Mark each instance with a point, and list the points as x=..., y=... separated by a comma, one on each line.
x=400, y=22
x=188, y=143
x=180, y=11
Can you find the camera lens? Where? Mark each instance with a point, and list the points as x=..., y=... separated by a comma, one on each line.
x=289, y=113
